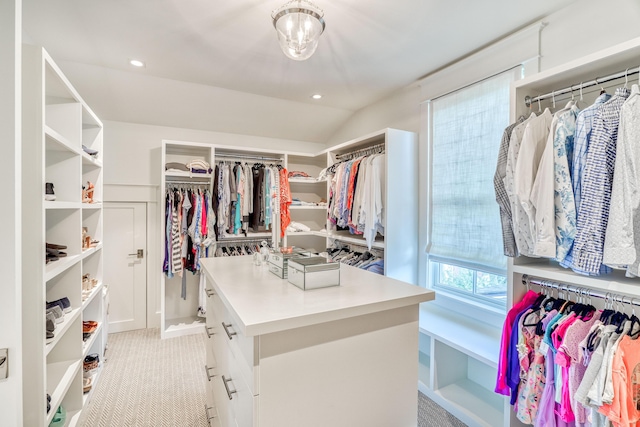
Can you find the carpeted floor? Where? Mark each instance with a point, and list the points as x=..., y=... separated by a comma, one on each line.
x=147, y=381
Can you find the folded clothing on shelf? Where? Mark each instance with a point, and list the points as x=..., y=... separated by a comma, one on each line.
x=296, y=227
x=175, y=166
x=199, y=166
x=299, y=174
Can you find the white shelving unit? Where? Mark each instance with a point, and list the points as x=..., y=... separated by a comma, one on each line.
x=400, y=242
x=306, y=190
x=178, y=316
x=608, y=61
x=57, y=123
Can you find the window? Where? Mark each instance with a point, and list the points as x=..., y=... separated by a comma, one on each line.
x=465, y=240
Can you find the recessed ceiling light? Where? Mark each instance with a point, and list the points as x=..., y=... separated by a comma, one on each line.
x=316, y=96
x=136, y=63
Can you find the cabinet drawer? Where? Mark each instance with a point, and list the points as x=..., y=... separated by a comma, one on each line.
x=210, y=408
x=242, y=398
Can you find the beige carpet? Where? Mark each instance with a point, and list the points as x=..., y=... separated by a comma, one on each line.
x=147, y=381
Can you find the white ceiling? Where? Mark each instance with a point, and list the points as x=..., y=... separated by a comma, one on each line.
x=369, y=49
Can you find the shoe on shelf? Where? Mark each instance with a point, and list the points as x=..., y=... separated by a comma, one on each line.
x=57, y=313
x=90, y=151
x=48, y=192
x=55, y=246
x=89, y=326
x=86, y=384
x=85, y=336
x=91, y=362
x=87, y=192
x=56, y=253
x=51, y=326
x=50, y=258
x=63, y=303
x=60, y=418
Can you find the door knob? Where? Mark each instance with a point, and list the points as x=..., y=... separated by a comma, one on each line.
x=139, y=254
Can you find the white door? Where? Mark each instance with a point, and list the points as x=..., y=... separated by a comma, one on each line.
x=125, y=261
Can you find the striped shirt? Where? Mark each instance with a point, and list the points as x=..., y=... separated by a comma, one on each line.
x=508, y=239
x=597, y=179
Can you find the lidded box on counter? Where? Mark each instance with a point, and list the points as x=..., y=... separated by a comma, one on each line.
x=313, y=272
x=278, y=261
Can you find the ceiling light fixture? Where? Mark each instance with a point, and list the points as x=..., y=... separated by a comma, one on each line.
x=299, y=25
x=316, y=96
x=136, y=63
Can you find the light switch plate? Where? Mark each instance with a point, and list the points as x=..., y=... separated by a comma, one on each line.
x=4, y=363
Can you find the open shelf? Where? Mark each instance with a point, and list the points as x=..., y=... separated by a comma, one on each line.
x=95, y=291
x=307, y=181
x=57, y=142
x=61, y=329
x=311, y=208
x=88, y=160
x=472, y=403
x=86, y=346
x=59, y=378
x=188, y=175
x=55, y=268
x=345, y=236
x=86, y=397
x=52, y=204
x=88, y=252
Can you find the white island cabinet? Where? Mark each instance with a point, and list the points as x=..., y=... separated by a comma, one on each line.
x=278, y=356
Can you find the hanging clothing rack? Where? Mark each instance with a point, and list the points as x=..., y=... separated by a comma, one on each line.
x=373, y=149
x=235, y=242
x=171, y=183
x=245, y=156
x=579, y=86
x=354, y=247
x=579, y=290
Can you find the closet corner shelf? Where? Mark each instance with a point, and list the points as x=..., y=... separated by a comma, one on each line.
x=306, y=233
x=59, y=378
x=61, y=329
x=86, y=346
x=548, y=270
x=88, y=252
x=95, y=291
x=57, y=142
x=182, y=175
x=90, y=161
x=54, y=268
x=87, y=396
x=304, y=208
x=306, y=181
x=378, y=244
x=96, y=205
x=61, y=205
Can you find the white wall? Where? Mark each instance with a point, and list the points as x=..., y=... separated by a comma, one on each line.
x=10, y=173
x=585, y=27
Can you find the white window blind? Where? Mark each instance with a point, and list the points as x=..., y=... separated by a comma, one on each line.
x=466, y=129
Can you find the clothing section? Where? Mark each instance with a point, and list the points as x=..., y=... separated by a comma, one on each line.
x=565, y=363
x=357, y=194
x=369, y=260
x=247, y=197
x=564, y=184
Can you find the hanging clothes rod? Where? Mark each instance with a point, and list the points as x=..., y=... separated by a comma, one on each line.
x=579, y=290
x=373, y=149
x=235, y=242
x=578, y=86
x=169, y=183
x=244, y=156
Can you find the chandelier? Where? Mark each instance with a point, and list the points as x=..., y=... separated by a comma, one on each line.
x=299, y=25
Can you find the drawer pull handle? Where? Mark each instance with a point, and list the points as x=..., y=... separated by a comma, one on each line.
x=206, y=409
x=209, y=333
x=225, y=381
x=209, y=292
x=229, y=334
x=207, y=369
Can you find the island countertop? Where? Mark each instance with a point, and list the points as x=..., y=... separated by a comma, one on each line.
x=263, y=303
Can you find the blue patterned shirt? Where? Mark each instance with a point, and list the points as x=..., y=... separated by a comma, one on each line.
x=584, y=126
x=593, y=213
